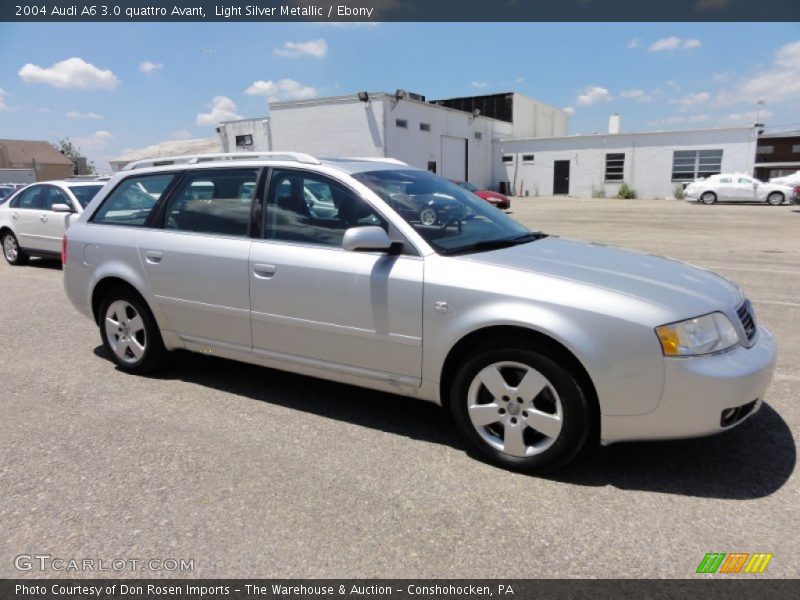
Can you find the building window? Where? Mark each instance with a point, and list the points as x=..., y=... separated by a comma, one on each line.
x=244, y=140
x=615, y=166
x=527, y=158
x=402, y=123
x=478, y=135
x=688, y=165
x=508, y=158
x=424, y=126
x=765, y=149
x=796, y=149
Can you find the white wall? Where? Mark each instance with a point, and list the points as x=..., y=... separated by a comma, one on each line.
x=535, y=119
x=333, y=127
x=418, y=147
x=648, y=159
x=258, y=128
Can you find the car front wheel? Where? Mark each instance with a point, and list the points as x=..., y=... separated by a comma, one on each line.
x=428, y=216
x=14, y=256
x=520, y=409
x=130, y=333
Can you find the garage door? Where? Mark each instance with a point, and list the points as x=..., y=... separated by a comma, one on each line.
x=454, y=158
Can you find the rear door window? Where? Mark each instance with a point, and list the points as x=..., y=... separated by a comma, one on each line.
x=133, y=200
x=215, y=201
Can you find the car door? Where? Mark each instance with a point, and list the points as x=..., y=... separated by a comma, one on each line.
x=744, y=190
x=50, y=225
x=316, y=303
x=195, y=259
x=724, y=188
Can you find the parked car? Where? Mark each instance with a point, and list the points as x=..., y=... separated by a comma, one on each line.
x=737, y=187
x=792, y=180
x=495, y=198
x=534, y=343
x=33, y=220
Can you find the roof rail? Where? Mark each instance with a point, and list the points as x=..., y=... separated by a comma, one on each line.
x=192, y=159
x=382, y=159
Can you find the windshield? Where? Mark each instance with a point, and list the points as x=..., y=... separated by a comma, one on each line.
x=85, y=193
x=447, y=216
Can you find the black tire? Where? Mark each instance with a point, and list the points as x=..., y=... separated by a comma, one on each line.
x=708, y=198
x=576, y=412
x=13, y=254
x=775, y=199
x=154, y=355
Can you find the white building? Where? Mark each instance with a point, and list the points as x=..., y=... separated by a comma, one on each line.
x=652, y=163
x=452, y=137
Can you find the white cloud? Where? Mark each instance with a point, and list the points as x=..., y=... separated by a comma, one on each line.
x=673, y=42
x=636, y=95
x=779, y=82
x=673, y=85
x=478, y=84
x=222, y=109
x=3, y=105
x=284, y=89
x=315, y=48
x=180, y=134
x=519, y=80
x=569, y=110
x=148, y=68
x=748, y=117
x=73, y=73
x=93, y=141
x=633, y=43
x=691, y=99
x=593, y=94
x=84, y=116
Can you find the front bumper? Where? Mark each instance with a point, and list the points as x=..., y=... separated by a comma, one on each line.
x=699, y=393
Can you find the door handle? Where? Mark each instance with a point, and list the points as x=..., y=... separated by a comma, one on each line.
x=264, y=271
x=15, y=216
x=153, y=257
x=43, y=218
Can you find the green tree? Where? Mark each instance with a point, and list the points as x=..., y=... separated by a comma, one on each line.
x=72, y=152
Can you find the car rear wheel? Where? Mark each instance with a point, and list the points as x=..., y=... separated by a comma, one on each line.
x=520, y=409
x=775, y=199
x=708, y=198
x=428, y=216
x=130, y=333
x=11, y=250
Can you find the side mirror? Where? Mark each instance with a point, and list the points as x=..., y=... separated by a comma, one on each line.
x=61, y=208
x=370, y=237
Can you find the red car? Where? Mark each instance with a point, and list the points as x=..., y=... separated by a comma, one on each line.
x=495, y=198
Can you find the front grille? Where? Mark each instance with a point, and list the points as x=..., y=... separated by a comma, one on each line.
x=748, y=319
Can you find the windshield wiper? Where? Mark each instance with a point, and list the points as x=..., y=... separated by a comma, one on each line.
x=486, y=245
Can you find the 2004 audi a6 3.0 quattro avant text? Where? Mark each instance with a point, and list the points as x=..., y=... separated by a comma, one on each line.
x=536, y=344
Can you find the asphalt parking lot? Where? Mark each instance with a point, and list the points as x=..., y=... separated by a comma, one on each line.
x=252, y=472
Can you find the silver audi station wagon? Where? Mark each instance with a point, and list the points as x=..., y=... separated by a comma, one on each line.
x=336, y=269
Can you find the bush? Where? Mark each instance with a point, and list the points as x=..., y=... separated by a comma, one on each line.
x=679, y=192
x=626, y=192
x=598, y=192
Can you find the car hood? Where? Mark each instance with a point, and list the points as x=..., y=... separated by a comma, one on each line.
x=666, y=282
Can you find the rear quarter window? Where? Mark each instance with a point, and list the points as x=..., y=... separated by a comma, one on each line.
x=133, y=200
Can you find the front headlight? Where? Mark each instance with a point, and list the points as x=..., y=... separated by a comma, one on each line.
x=702, y=335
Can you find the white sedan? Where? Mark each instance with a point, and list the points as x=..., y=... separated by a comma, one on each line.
x=736, y=187
x=33, y=220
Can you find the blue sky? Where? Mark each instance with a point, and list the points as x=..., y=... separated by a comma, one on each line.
x=657, y=76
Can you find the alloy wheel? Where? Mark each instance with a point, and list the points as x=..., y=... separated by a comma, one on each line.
x=125, y=331
x=775, y=198
x=10, y=248
x=428, y=216
x=515, y=408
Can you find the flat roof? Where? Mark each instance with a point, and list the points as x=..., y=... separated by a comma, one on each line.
x=626, y=133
